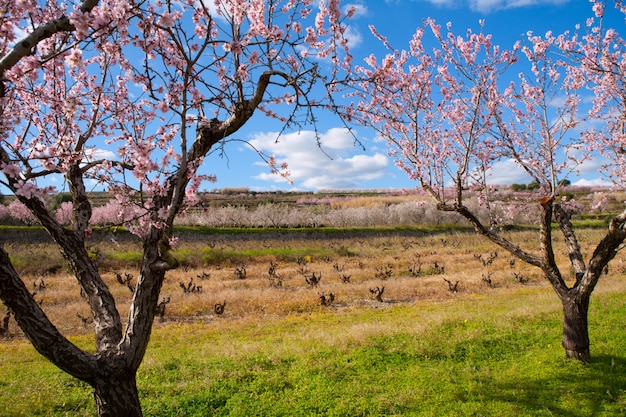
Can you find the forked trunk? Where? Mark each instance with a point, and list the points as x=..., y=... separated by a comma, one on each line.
x=117, y=397
x=575, y=329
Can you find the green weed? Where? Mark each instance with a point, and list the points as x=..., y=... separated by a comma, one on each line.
x=130, y=256
x=486, y=355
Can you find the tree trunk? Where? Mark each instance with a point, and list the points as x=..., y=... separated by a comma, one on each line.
x=117, y=397
x=575, y=327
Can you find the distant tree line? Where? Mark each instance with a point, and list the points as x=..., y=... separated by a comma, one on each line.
x=534, y=185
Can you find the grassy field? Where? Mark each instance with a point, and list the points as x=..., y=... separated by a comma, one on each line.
x=486, y=349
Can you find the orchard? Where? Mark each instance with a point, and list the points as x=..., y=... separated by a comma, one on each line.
x=136, y=97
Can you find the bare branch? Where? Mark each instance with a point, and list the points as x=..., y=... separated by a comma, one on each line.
x=575, y=253
x=499, y=240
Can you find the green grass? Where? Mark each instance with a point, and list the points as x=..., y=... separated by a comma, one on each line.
x=127, y=256
x=482, y=356
x=592, y=222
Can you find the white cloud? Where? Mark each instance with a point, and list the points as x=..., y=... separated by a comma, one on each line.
x=486, y=6
x=335, y=164
x=353, y=36
x=593, y=166
x=93, y=154
x=360, y=9
x=507, y=172
x=594, y=182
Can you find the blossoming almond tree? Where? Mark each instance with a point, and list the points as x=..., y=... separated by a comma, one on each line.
x=451, y=113
x=134, y=95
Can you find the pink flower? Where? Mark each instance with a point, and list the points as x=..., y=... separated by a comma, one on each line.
x=168, y=19
x=163, y=212
x=598, y=9
x=233, y=47
x=75, y=58
x=26, y=189
x=80, y=20
x=242, y=72
x=11, y=170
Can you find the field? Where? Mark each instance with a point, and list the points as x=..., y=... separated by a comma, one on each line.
x=334, y=322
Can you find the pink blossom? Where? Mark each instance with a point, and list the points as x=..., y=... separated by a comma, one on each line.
x=19, y=211
x=168, y=19
x=242, y=72
x=163, y=212
x=233, y=47
x=75, y=58
x=81, y=21
x=26, y=189
x=598, y=8
x=11, y=170
x=64, y=213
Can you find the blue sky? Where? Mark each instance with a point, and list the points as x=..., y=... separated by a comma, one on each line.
x=351, y=167
x=342, y=165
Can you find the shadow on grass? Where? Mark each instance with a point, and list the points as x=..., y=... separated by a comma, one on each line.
x=572, y=389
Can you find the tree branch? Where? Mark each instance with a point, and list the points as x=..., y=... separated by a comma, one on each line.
x=499, y=240
x=214, y=131
x=24, y=47
x=573, y=248
x=107, y=322
x=37, y=327
x=602, y=255
x=81, y=206
x=549, y=266
x=143, y=307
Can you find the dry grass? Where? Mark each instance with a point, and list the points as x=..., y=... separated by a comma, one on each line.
x=349, y=268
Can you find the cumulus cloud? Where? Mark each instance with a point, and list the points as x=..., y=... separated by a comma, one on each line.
x=335, y=164
x=507, y=172
x=595, y=182
x=97, y=154
x=353, y=36
x=592, y=166
x=590, y=170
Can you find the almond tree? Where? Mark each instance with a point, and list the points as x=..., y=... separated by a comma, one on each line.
x=133, y=96
x=450, y=114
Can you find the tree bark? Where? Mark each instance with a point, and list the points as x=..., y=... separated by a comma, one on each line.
x=575, y=327
x=117, y=396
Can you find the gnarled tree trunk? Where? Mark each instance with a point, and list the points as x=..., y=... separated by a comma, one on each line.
x=117, y=396
x=575, y=327
x=575, y=299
